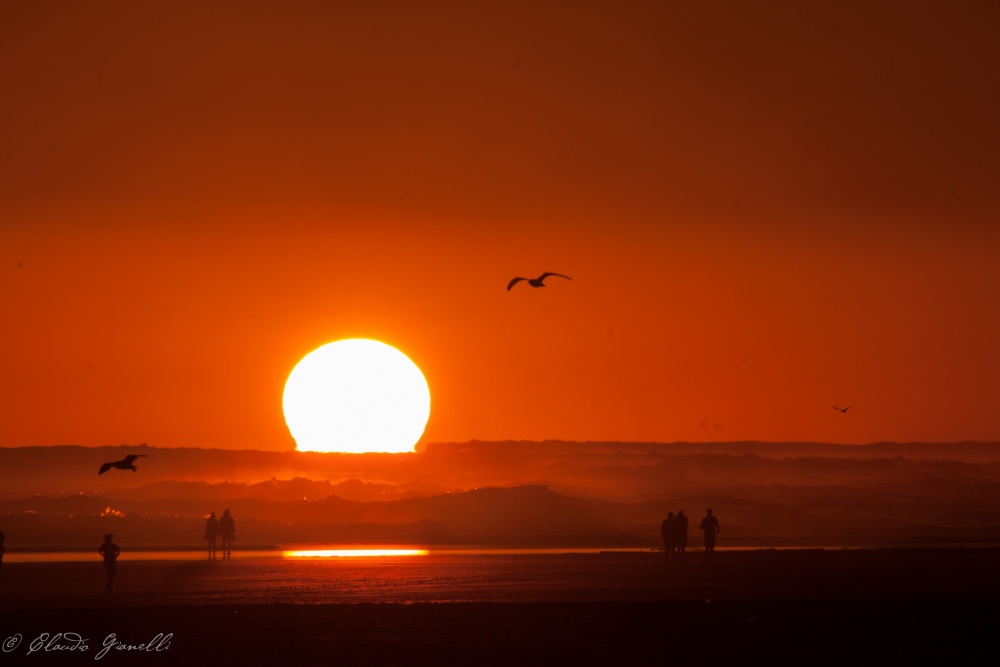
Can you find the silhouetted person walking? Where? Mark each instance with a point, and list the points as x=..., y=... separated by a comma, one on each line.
x=211, y=534
x=667, y=533
x=710, y=526
x=680, y=535
x=227, y=528
x=110, y=551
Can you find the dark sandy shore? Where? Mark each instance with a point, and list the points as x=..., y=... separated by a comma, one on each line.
x=814, y=607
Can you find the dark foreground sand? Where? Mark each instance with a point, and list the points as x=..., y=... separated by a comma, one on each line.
x=801, y=607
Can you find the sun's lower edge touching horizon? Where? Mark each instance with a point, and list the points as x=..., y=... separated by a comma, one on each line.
x=356, y=396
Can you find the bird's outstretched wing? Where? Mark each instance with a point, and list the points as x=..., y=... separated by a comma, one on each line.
x=514, y=282
x=104, y=468
x=549, y=273
x=130, y=459
x=843, y=409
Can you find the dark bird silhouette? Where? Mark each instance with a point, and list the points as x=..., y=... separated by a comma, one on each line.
x=125, y=464
x=536, y=282
x=843, y=409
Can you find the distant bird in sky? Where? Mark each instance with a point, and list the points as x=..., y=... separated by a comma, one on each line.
x=125, y=464
x=536, y=282
x=843, y=409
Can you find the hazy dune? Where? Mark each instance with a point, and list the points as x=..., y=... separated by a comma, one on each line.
x=548, y=493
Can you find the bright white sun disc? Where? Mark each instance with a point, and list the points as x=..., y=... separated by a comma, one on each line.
x=355, y=396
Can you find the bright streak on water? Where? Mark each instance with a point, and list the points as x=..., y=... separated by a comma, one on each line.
x=353, y=553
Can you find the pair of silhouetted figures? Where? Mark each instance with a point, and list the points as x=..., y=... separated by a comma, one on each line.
x=674, y=532
x=224, y=528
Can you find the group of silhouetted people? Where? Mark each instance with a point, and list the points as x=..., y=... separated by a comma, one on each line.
x=109, y=551
x=224, y=528
x=674, y=532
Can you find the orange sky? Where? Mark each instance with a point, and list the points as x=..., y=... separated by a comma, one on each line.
x=766, y=208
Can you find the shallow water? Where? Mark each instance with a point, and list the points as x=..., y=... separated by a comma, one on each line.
x=338, y=551
x=299, y=552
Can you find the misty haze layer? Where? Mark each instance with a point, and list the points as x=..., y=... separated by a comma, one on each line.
x=509, y=494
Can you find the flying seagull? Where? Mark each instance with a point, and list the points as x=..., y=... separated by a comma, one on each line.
x=536, y=282
x=125, y=464
x=843, y=409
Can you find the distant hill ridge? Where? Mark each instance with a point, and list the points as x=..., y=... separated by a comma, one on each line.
x=594, y=468
x=547, y=493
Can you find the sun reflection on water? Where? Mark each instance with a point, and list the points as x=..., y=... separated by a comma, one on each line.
x=352, y=553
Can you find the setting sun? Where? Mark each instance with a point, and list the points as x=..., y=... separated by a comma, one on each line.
x=356, y=396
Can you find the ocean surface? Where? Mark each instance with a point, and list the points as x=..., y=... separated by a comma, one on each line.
x=301, y=552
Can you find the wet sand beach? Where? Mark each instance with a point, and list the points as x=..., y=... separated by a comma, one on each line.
x=820, y=606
